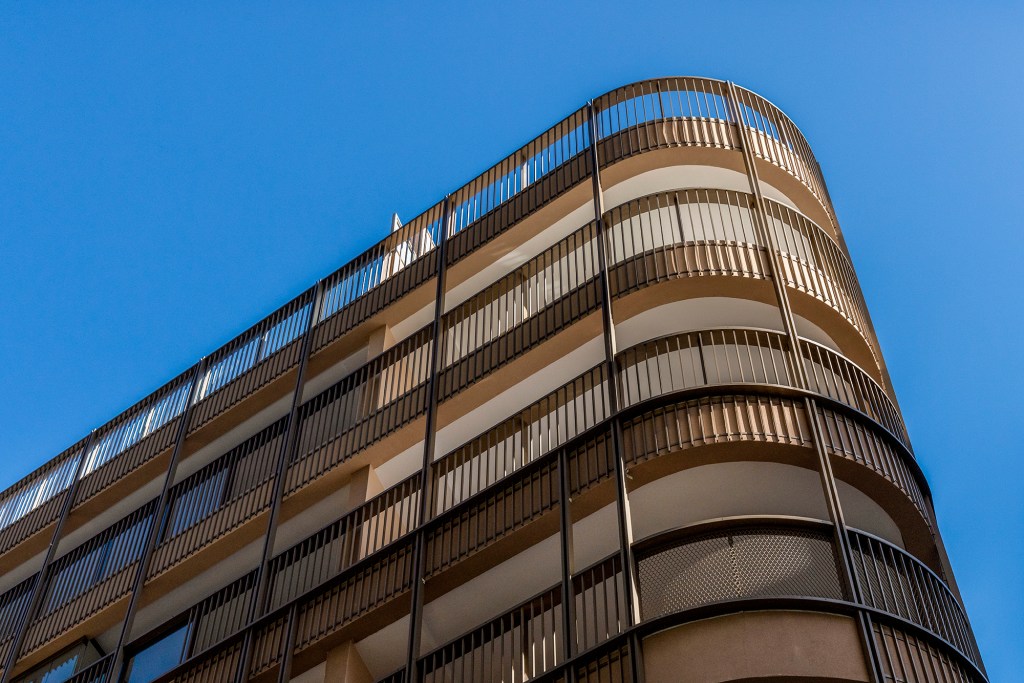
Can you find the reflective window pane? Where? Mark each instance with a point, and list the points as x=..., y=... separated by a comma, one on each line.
x=159, y=657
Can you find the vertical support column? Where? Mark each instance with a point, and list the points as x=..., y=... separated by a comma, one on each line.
x=765, y=237
x=117, y=669
x=842, y=539
x=429, y=441
x=258, y=603
x=39, y=585
x=632, y=601
x=828, y=484
x=567, y=564
x=284, y=671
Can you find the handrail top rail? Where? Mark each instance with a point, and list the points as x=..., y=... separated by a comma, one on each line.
x=667, y=537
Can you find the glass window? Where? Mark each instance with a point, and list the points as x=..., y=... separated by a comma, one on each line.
x=160, y=656
x=63, y=666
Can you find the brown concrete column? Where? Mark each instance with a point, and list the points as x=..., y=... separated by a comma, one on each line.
x=363, y=485
x=380, y=340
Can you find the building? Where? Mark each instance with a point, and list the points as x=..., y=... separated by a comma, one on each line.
x=655, y=441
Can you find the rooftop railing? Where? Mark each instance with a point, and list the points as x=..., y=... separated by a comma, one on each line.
x=35, y=501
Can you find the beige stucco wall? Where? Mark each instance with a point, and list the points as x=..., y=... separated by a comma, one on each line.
x=755, y=646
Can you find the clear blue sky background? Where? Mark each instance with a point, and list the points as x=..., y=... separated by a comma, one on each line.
x=170, y=172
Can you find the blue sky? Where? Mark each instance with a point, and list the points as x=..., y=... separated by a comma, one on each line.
x=170, y=172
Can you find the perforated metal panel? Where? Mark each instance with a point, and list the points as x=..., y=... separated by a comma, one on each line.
x=735, y=564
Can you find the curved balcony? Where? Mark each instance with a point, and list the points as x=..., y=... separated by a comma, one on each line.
x=695, y=112
x=513, y=315
x=510, y=468
x=662, y=421
x=773, y=560
x=696, y=233
x=507, y=462
x=777, y=140
x=907, y=656
x=750, y=356
x=896, y=583
x=714, y=569
x=662, y=436
x=680, y=571
x=485, y=332
x=547, y=293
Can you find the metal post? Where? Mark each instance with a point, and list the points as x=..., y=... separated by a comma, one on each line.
x=767, y=240
x=284, y=672
x=611, y=369
x=118, y=664
x=567, y=562
x=828, y=484
x=258, y=602
x=835, y=510
x=429, y=440
x=39, y=585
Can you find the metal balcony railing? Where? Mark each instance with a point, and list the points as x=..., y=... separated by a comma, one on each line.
x=696, y=112
x=89, y=577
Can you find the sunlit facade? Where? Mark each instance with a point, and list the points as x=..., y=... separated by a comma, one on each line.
x=612, y=411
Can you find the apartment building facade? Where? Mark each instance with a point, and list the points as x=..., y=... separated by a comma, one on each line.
x=614, y=410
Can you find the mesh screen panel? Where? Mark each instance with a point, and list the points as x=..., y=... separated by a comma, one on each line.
x=734, y=564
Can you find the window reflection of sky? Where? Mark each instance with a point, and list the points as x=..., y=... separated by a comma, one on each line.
x=158, y=657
